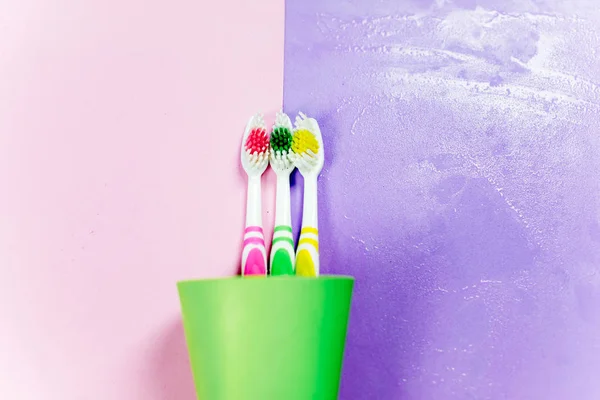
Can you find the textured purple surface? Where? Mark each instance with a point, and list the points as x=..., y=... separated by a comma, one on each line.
x=461, y=189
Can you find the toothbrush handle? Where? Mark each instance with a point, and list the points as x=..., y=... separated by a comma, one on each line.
x=282, y=248
x=282, y=251
x=254, y=254
x=307, y=254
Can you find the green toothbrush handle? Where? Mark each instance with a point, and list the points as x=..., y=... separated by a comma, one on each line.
x=282, y=251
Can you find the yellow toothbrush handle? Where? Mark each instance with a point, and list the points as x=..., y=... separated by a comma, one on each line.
x=307, y=254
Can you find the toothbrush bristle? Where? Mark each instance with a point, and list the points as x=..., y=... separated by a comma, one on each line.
x=281, y=140
x=303, y=141
x=258, y=141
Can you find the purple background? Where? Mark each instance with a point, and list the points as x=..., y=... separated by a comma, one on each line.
x=461, y=189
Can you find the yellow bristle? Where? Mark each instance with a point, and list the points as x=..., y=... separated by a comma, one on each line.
x=304, y=140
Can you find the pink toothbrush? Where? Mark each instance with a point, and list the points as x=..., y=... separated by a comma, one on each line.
x=255, y=159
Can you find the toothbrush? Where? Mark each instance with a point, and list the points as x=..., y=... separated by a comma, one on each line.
x=255, y=158
x=307, y=144
x=282, y=248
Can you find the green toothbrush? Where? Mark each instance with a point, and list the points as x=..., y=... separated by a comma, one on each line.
x=282, y=248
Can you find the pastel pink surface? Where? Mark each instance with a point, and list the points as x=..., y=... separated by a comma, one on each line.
x=120, y=129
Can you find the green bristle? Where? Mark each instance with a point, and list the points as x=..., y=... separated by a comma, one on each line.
x=281, y=139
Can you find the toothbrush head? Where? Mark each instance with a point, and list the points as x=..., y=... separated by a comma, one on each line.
x=255, y=147
x=281, y=144
x=304, y=141
x=281, y=140
x=258, y=141
x=307, y=145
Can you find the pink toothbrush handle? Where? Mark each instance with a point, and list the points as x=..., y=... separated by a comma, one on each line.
x=254, y=253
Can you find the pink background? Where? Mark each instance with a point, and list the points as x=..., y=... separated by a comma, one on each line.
x=120, y=123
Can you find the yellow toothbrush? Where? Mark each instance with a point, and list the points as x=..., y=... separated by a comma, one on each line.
x=307, y=145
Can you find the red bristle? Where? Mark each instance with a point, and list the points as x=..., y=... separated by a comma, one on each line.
x=257, y=141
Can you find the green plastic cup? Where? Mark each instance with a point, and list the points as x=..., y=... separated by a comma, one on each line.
x=275, y=338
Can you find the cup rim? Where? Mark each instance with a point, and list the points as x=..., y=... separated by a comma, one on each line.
x=320, y=278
